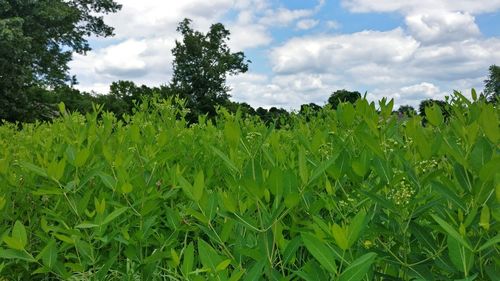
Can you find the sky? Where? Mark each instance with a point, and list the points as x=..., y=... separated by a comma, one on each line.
x=303, y=50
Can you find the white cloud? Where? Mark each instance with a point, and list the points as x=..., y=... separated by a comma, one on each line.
x=306, y=24
x=432, y=21
x=436, y=27
x=392, y=64
x=408, y=6
x=331, y=24
x=283, y=17
x=339, y=52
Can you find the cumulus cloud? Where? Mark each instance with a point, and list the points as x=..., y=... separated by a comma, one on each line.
x=407, y=6
x=332, y=53
x=306, y=24
x=331, y=24
x=385, y=63
x=434, y=27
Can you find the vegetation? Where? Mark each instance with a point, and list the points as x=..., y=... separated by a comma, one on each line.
x=492, y=84
x=201, y=64
x=343, y=96
x=37, y=39
x=354, y=193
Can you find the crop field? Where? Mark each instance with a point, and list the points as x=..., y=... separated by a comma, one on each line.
x=355, y=193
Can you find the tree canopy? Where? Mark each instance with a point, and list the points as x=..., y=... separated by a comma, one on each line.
x=343, y=96
x=37, y=39
x=492, y=84
x=201, y=65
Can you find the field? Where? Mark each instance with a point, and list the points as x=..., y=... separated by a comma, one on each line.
x=356, y=193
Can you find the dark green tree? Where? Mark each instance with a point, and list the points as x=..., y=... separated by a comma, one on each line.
x=492, y=84
x=343, y=96
x=310, y=108
x=37, y=39
x=201, y=65
x=407, y=110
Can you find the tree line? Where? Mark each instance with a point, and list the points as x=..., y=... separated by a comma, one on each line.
x=37, y=39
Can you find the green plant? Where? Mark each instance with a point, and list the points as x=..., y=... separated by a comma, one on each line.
x=352, y=194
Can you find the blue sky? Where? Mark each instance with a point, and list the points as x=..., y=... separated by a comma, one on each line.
x=303, y=50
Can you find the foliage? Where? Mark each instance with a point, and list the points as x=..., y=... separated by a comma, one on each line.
x=407, y=110
x=353, y=194
x=201, y=64
x=442, y=106
x=37, y=39
x=343, y=96
x=492, y=84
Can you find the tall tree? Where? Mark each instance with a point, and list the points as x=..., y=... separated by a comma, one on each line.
x=407, y=110
x=343, y=96
x=492, y=84
x=201, y=65
x=37, y=39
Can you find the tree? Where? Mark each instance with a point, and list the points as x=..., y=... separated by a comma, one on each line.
x=492, y=84
x=343, y=96
x=201, y=64
x=37, y=39
x=310, y=108
x=406, y=110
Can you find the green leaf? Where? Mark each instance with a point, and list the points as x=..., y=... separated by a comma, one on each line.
x=358, y=268
x=13, y=243
x=320, y=170
x=452, y=232
x=85, y=250
x=292, y=200
x=33, y=168
x=489, y=123
x=226, y=160
x=448, y=194
x=127, y=188
x=303, y=171
x=320, y=251
x=237, y=274
x=208, y=256
x=198, y=186
x=56, y=169
x=493, y=241
x=49, y=254
x=81, y=157
x=108, y=180
x=85, y=225
x=356, y=227
x=481, y=154
x=490, y=169
x=434, y=115
x=19, y=233
x=484, y=220
x=340, y=236
x=255, y=271
x=223, y=265
x=291, y=249
x=116, y=213
x=188, y=260
x=461, y=257
x=16, y=254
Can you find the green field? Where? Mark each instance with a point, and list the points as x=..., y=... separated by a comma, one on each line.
x=356, y=193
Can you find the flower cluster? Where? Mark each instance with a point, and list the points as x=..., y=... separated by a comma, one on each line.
x=252, y=136
x=325, y=150
x=401, y=193
x=425, y=166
